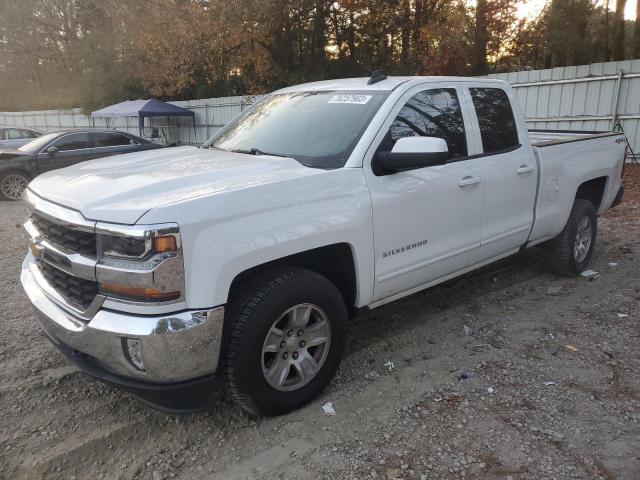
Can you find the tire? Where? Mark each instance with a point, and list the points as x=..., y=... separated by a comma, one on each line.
x=563, y=256
x=248, y=358
x=12, y=184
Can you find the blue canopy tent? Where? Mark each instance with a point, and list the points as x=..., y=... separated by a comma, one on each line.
x=143, y=109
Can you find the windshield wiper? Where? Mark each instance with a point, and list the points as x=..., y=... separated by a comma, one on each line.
x=214, y=147
x=257, y=151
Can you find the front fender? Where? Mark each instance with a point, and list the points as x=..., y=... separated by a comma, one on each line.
x=226, y=234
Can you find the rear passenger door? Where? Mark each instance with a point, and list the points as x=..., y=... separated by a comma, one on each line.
x=510, y=173
x=111, y=143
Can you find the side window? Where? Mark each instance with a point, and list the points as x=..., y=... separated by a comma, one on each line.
x=30, y=134
x=104, y=139
x=74, y=141
x=495, y=116
x=15, y=134
x=433, y=113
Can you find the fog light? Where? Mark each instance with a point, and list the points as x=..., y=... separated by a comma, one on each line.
x=133, y=351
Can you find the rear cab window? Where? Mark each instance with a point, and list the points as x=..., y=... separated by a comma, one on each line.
x=497, y=123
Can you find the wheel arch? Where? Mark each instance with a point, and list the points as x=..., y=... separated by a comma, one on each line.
x=336, y=262
x=22, y=170
x=593, y=190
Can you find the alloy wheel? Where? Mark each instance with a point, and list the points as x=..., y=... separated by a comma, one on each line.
x=296, y=347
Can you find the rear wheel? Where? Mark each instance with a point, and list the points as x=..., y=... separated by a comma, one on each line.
x=286, y=337
x=12, y=184
x=570, y=252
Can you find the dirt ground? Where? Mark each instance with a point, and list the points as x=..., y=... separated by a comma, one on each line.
x=553, y=387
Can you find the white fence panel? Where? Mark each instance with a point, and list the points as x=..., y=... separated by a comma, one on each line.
x=600, y=96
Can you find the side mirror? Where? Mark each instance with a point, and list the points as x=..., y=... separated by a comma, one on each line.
x=52, y=150
x=410, y=153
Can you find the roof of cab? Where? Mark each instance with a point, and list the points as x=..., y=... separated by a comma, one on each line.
x=390, y=83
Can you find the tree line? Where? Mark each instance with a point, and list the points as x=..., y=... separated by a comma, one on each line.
x=90, y=53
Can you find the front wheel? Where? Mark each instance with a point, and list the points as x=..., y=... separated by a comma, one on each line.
x=286, y=337
x=569, y=253
x=12, y=184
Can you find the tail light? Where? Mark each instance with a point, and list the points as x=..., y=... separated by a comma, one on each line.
x=624, y=161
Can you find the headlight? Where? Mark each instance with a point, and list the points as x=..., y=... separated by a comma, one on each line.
x=140, y=263
x=136, y=244
x=125, y=247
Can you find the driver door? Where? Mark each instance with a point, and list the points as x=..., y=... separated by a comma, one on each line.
x=72, y=148
x=426, y=221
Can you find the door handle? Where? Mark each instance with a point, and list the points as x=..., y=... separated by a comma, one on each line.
x=468, y=181
x=524, y=169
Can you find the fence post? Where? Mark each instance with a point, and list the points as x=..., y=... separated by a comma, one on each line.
x=616, y=99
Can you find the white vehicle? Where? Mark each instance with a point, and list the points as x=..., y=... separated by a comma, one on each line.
x=244, y=259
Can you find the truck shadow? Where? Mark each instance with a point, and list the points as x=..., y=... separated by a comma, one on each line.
x=402, y=315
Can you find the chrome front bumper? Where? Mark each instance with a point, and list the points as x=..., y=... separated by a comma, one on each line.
x=175, y=347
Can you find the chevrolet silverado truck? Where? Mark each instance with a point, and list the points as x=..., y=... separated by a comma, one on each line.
x=162, y=272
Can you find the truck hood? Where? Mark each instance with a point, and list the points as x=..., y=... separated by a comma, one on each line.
x=122, y=188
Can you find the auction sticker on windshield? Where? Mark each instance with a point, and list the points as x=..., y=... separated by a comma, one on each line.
x=354, y=99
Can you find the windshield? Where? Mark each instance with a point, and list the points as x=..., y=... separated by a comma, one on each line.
x=34, y=146
x=318, y=129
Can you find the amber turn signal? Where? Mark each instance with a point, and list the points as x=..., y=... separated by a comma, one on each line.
x=165, y=244
x=142, y=294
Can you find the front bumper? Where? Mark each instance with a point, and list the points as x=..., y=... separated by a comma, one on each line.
x=175, y=348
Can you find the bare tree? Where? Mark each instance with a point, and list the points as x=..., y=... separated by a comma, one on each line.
x=618, y=31
x=636, y=32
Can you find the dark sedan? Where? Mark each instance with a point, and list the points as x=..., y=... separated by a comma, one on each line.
x=58, y=150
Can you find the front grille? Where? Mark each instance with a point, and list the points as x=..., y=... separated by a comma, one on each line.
x=76, y=291
x=72, y=240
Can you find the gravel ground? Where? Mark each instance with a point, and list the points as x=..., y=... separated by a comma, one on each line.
x=509, y=373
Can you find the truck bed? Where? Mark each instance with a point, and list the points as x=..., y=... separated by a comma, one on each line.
x=545, y=138
x=566, y=160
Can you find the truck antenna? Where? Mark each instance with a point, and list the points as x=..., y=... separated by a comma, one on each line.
x=376, y=76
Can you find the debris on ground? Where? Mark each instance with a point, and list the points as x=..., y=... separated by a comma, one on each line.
x=328, y=409
x=464, y=375
x=590, y=274
x=390, y=365
x=548, y=384
x=570, y=348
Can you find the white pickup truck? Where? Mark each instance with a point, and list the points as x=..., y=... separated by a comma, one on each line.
x=163, y=271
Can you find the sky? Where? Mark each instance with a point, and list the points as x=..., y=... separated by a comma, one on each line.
x=531, y=8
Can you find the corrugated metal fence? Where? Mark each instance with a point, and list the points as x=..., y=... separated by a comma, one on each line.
x=210, y=115
x=600, y=96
